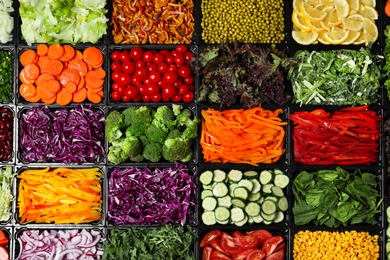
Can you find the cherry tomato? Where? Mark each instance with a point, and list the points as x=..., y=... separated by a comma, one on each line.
x=142, y=73
x=124, y=79
x=146, y=98
x=148, y=56
x=181, y=48
x=137, y=98
x=188, y=56
x=183, y=89
x=136, y=53
x=156, y=98
x=162, y=67
x=169, y=59
x=128, y=67
x=125, y=56
x=115, y=95
x=178, y=83
x=131, y=91
x=165, y=99
x=141, y=89
x=119, y=88
x=177, y=98
x=151, y=67
x=172, y=67
x=179, y=59
x=154, y=76
x=184, y=71
x=115, y=86
x=189, y=80
x=115, y=55
x=115, y=76
x=191, y=87
x=125, y=98
x=116, y=65
x=174, y=53
x=256, y=254
x=164, y=52
x=158, y=58
x=140, y=64
x=206, y=254
x=136, y=80
x=168, y=92
x=152, y=89
x=147, y=81
x=188, y=97
x=170, y=77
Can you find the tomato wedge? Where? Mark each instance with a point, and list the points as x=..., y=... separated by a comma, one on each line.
x=216, y=255
x=3, y=239
x=271, y=244
x=246, y=242
x=279, y=255
x=229, y=246
x=207, y=251
x=217, y=245
x=213, y=234
x=261, y=235
x=256, y=254
x=242, y=255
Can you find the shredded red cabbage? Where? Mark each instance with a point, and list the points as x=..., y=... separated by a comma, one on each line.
x=65, y=135
x=142, y=196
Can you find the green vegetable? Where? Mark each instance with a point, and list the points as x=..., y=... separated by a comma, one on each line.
x=335, y=197
x=6, y=76
x=63, y=21
x=155, y=134
x=165, y=243
x=386, y=54
x=5, y=192
x=337, y=77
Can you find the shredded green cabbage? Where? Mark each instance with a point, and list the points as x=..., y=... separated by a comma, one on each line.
x=63, y=21
x=5, y=193
x=7, y=21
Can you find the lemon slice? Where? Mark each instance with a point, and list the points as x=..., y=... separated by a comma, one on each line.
x=371, y=3
x=316, y=26
x=369, y=12
x=304, y=38
x=321, y=39
x=370, y=30
x=354, y=5
x=332, y=19
x=360, y=40
x=342, y=7
x=352, y=37
x=336, y=35
x=353, y=22
x=297, y=6
x=300, y=21
x=312, y=13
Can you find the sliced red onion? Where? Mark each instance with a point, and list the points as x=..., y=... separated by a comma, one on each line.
x=62, y=244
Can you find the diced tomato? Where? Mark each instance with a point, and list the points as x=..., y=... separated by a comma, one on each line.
x=256, y=254
x=246, y=242
x=3, y=239
x=213, y=234
x=207, y=251
x=279, y=255
x=271, y=244
x=216, y=255
x=229, y=246
x=217, y=245
x=261, y=235
x=242, y=255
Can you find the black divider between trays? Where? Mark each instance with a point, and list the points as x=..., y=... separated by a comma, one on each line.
x=286, y=163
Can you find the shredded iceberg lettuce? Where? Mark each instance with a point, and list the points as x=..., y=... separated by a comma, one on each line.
x=6, y=21
x=63, y=21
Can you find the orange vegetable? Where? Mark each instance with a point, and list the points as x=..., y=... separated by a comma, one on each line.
x=60, y=196
x=387, y=8
x=59, y=71
x=249, y=136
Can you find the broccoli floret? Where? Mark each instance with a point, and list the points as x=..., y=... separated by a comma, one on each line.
x=123, y=149
x=183, y=117
x=165, y=115
x=177, y=149
x=138, y=158
x=153, y=152
x=176, y=109
x=156, y=132
x=191, y=130
x=144, y=140
x=137, y=119
x=114, y=124
x=174, y=133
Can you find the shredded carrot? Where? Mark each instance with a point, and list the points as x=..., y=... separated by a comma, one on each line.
x=72, y=70
x=60, y=196
x=251, y=136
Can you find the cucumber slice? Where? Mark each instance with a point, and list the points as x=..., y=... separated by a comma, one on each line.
x=281, y=180
x=235, y=175
x=220, y=190
x=242, y=222
x=252, y=209
x=268, y=207
x=225, y=201
x=282, y=204
x=232, y=186
x=237, y=214
x=222, y=214
x=277, y=191
x=206, y=193
x=279, y=217
x=256, y=186
x=266, y=188
x=238, y=202
x=209, y=203
x=254, y=196
x=207, y=187
x=247, y=184
x=267, y=217
x=208, y=218
x=278, y=171
x=206, y=177
x=219, y=176
x=241, y=193
x=258, y=219
x=265, y=177
x=251, y=175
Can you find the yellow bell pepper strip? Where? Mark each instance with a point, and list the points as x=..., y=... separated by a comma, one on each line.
x=60, y=196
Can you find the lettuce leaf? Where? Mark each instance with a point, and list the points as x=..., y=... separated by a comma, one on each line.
x=5, y=193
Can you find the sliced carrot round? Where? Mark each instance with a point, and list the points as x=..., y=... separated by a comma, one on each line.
x=71, y=87
x=64, y=97
x=80, y=95
x=50, y=100
x=27, y=57
x=32, y=71
x=55, y=67
x=42, y=77
x=78, y=65
x=44, y=63
x=43, y=90
x=68, y=75
x=24, y=79
x=27, y=90
x=53, y=85
x=55, y=51
x=93, y=56
x=42, y=49
x=34, y=99
x=93, y=97
x=69, y=53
